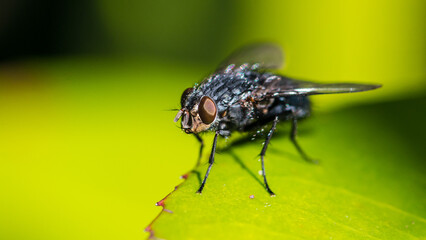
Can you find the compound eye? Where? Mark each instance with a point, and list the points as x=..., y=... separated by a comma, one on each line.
x=207, y=110
x=185, y=95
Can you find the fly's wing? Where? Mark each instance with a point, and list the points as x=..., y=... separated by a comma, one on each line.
x=278, y=86
x=259, y=56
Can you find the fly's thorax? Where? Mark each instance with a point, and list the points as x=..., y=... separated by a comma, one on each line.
x=218, y=99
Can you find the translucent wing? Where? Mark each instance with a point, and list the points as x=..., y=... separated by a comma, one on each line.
x=279, y=86
x=262, y=55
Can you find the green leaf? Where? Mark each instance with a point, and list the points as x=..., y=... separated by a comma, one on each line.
x=369, y=183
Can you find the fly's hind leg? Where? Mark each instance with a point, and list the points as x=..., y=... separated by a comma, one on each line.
x=296, y=144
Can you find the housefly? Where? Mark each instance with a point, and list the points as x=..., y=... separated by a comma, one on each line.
x=242, y=95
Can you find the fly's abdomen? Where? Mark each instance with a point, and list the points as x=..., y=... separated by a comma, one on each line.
x=300, y=105
x=283, y=107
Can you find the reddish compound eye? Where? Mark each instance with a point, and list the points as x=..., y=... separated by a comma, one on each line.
x=207, y=110
x=185, y=95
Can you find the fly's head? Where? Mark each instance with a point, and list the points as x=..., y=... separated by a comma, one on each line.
x=197, y=112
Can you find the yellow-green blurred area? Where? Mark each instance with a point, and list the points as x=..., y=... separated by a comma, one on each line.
x=87, y=139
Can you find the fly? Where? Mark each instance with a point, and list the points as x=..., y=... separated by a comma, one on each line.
x=243, y=95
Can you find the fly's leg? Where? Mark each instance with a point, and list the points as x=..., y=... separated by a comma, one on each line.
x=296, y=144
x=201, y=149
x=211, y=161
x=262, y=154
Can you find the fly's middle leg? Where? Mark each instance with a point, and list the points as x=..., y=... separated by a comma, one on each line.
x=262, y=154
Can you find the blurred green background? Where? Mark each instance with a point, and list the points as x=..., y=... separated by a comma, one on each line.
x=87, y=144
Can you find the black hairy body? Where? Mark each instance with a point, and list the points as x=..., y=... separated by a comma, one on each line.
x=242, y=95
x=234, y=92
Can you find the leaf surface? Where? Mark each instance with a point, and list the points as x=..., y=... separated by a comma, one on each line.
x=369, y=183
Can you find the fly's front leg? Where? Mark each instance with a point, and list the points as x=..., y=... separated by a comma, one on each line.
x=201, y=149
x=262, y=154
x=296, y=144
x=211, y=161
